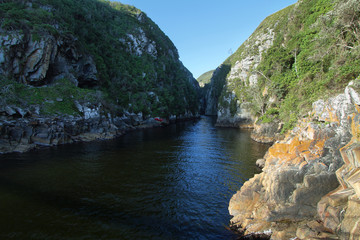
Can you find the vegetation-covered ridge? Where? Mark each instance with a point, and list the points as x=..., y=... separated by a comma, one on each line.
x=137, y=65
x=296, y=56
x=205, y=78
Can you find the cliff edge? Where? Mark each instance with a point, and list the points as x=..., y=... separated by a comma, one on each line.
x=309, y=186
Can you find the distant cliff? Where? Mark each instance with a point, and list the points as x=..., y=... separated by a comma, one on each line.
x=64, y=59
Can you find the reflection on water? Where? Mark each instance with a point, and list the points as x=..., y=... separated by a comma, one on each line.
x=163, y=183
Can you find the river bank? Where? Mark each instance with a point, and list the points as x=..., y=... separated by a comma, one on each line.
x=21, y=131
x=170, y=182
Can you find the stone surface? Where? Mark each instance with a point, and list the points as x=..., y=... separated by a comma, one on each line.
x=260, y=163
x=340, y=209
x=43, y=61
x=243, y=72
x=266, y=132
x=311, y=179
x=24, y=134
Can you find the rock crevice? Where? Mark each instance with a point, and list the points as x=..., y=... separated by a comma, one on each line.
x=310, y=181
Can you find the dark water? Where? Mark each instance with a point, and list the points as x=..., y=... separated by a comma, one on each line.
x=164, y=183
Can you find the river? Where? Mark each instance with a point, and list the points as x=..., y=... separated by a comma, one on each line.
x=163, y=183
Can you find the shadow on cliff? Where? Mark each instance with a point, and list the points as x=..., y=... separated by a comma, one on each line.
x=211, y=96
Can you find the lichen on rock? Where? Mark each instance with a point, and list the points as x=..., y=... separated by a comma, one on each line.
x=301, y=170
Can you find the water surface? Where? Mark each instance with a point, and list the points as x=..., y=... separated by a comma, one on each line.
x=163, y=183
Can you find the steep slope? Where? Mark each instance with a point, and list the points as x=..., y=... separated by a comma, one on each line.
x=88, y=59
x=296, y=56
x=205, y=78
x=116, y=48
x=296, y=80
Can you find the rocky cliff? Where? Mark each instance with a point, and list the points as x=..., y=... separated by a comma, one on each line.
x=75, y=68
x=295, y=57
x=308, y=187
x=293, y=82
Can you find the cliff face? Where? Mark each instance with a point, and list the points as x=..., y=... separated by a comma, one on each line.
x=238, y=78
x=43, y=61
x=74, y=61
x=305, y=189
x=287, y=81
x=295, y=57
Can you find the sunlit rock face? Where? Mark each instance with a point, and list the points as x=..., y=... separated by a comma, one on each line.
x=309, y=186
x=243, y=72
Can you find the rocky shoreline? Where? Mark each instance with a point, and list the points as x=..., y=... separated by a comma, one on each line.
x=21, y=133
x=305, y=190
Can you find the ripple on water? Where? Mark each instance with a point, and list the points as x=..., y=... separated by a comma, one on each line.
x=163, y=183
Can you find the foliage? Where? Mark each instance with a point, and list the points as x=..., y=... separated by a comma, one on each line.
x=205, y=78
x=54, y=100
x=103, y=30
x=315, y=53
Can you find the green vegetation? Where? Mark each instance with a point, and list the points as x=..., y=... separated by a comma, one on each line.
x=314, y=55
x=13, y=93
x=103, y=29
x=205, y=78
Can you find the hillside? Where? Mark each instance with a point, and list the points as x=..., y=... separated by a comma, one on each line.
x=205, y=78
x=296, y=56
x=95, y=45
x=296, y=82
x=97, y=67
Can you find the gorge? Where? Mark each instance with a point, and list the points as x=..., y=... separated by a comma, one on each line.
x=293, y=83
x=100, y=71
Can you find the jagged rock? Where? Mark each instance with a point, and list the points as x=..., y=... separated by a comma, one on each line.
x=21, y=111
x=266, y=132
x=38, y=57
x=299, y=174
x=242, y=118
x=88, y=110
x=43, y=61
x=260, y=163
x=139, y=43
x=24, y=134
x=10, y=111
x=241, y=72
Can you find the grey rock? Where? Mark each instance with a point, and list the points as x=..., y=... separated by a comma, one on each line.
x=2, y=57
x=29, y=61
x=22, y=112
x=260, y=163
x=10, y=111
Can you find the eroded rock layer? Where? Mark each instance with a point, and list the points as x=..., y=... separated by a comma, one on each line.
x=309, y=187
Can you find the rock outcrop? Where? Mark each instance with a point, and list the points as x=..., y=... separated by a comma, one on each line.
x=22, y=130
x=243, y=72
x=305, y=190
x=38, y=62
x=68, y=75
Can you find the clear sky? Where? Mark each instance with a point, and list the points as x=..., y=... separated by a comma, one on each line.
x=205, y=32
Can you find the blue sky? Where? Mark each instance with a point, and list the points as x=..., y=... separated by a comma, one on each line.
x=206, y=31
